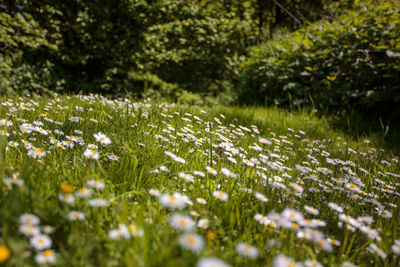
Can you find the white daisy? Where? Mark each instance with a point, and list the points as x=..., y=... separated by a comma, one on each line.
x=67, y=198
x=182, y=222
x=211, y=262
x=172, y=201
x=102, y=138
x=220, y=195
x=29, y=230
x=122, y=232
x=76, y=215
x=98, y=202
x=29, y=219
x=201, y=201
x=246, y=250
x=96, y=184
x=46, y=256
x=91, y=154
x=203, y=223
x=83, y=192
x=193, y=242
x=283, y=261
x=40, y=242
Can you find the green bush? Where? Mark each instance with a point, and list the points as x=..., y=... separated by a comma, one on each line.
x=351, y=63
x=22, y=68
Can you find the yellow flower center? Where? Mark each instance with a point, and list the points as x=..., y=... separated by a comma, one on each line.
x=48, y=253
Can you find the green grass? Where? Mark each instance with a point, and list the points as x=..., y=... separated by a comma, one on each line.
x=133, y=129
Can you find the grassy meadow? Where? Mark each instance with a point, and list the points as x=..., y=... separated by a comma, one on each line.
x=88, y=181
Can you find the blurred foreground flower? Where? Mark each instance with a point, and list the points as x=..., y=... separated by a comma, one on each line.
x=4, y=253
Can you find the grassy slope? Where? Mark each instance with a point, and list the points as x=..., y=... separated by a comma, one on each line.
x=127, y=183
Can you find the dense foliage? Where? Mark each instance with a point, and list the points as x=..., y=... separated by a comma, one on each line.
x=22, y=66
x=143, y=47
x=351, y=63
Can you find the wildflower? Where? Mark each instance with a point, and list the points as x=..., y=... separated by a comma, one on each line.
x=246, y=250
x=220, y=195
x=186, y=177
x=211, y=262
x=164, y=169
x=373, y=248
x=182, y=222
x=385, y=214
x=396, y=247
x=203, y=223
x=42, y=131
x=13, y=144
x=14, y=180
x=371, y=233
x=175, y=157
x=47, y=229
x=96, y=184
x=98, y=202
x=210, y=235
x=113, y=157
x=67, y=198
x=29, y=230
x=228, y=173
x=66, y=188
x=201, y=201
x=92, y=146
x=46, y=256
x=122, y=232
x=194, y=213
x=348, y=219
x=292, y=215
x=102, y=138
x=211, y=170
x=83, y=192
x=335, y=207
x=262, y=219
x=311, y=210
x=40, y=242
x=135, y=231
x=247, y=190
x=261, y=197
x=154, y=192
x=312, y=263
x=172, y=201
x=76, y=215
x=36, y=153
x=323, y=244
x=4, y=253
x=29, y=219
x=296, y=187
x=283, y=261
x=91, y=154
x=191, y=242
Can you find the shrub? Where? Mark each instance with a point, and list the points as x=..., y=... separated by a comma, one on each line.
x=350, y=63
x=22, y=69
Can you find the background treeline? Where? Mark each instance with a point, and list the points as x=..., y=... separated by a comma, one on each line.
x=333, y=55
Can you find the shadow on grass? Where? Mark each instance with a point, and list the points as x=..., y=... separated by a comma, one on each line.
x=383, y=133
x=386, y=131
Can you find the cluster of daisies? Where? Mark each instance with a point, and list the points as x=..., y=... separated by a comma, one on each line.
x=321, y=178
x=68, y=196
x=323, y=193
x=38, y=237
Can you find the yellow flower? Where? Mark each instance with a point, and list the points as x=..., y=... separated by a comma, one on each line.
x=66, y=188
x=4, y=253
x=210, y=235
